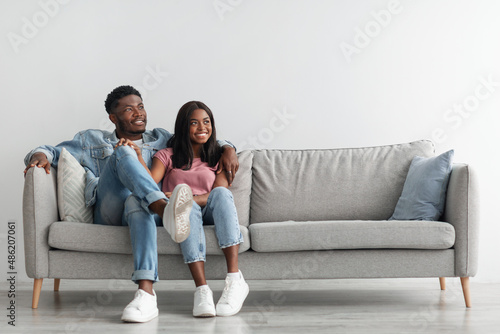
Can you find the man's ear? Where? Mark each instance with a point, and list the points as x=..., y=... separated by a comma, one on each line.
x=112, y=118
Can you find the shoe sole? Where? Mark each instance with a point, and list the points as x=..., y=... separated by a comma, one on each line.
x=204, y=315
x=182, y=198
x=151, y=317
x=239, y=309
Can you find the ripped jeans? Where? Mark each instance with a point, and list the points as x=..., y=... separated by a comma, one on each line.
x=219, y=211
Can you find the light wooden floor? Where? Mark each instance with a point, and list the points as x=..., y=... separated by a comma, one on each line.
x=311, y=306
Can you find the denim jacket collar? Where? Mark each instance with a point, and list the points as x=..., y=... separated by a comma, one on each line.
x=147, y=137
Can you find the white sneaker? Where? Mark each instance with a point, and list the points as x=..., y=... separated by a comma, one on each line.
x=234, y=294
x=142, y=308
x=203, y=302
x=176, y=214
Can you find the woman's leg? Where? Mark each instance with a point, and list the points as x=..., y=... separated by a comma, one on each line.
x=231, y=254
x=221, y=211
x=198, y=272
x=193, y=250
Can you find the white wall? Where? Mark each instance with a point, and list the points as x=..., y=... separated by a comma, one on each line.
x=250, y=61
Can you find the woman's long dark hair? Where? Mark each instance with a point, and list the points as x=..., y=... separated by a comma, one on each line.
x=181, y=143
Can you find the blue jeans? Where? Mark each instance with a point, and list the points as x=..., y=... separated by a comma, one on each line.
x=219, y=211
x=124, y=192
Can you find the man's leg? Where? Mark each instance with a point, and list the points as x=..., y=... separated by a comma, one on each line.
x=124, y=178
x=124, y=175
x=142, y=227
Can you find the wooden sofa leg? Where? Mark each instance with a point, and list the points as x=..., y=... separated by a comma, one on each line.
x=442, y=283
x=37, y=288
x=57, y=281
x=466, y=290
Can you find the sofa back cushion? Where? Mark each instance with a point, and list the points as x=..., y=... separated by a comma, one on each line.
x=336, y=184
x=242, y=186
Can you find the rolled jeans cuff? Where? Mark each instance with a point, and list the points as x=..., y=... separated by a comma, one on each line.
x=139, y=275
x=232, y=244
x=199, y=259
x=151, y=198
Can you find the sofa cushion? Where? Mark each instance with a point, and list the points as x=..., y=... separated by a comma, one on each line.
x=337, y=184
x=71, y=186
x=242, y=186
x=71, y=190
x=116, y=239
x=424, y=191
x=324, y=235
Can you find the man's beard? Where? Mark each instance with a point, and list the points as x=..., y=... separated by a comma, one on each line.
x=123, y=128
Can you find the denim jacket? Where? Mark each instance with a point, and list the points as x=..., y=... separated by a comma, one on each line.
x=92, y=148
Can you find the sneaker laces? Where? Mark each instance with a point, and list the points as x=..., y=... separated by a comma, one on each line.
x=228, y=292
x=205, y=296
x=204, y=293
x=136, y=302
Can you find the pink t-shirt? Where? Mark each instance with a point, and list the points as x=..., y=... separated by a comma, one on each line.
x=200, y=177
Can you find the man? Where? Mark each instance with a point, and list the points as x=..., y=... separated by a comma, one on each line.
x=122, y=191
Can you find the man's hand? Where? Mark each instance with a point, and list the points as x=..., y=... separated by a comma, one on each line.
x=38, y=159
x=229, y=163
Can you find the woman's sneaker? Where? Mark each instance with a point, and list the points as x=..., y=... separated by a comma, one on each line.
x=203, y=302
x=234, y=294
x=142, y=308
x=176, y=214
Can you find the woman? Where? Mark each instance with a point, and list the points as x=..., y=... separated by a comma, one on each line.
x=191, y=157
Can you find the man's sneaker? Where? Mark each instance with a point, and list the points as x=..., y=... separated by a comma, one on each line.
x=176, y=214
x=203, y=302
x=142, y=308
x=234, y=294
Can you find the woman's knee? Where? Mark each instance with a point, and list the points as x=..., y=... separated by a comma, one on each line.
x=221, y=191
x=220, y=197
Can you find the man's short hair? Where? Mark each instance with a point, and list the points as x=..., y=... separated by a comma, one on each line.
x=117, y=93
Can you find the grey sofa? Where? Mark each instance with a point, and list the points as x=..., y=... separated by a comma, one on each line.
x=304, y=214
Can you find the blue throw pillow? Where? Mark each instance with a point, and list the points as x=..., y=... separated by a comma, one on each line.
x=424, y=191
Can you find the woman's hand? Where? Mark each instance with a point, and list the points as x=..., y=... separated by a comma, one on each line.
x=128, y=142
x=137, y=149
x=168, y=194
x=229, y=163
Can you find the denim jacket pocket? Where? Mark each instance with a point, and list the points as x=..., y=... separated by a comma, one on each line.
x=100, y=156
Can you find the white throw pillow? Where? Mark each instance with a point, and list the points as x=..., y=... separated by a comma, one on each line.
x=71, y=190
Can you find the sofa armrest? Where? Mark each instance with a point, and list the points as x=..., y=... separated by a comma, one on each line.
x=462, y=211
x=39, y=212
